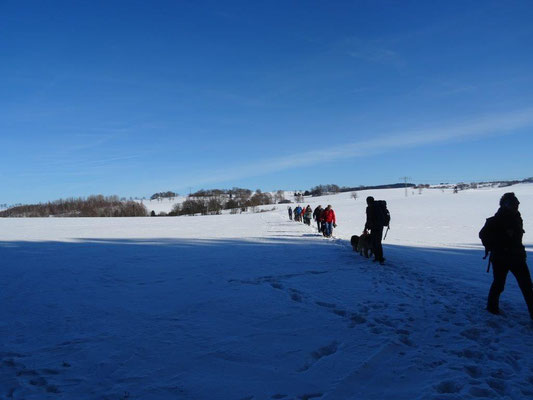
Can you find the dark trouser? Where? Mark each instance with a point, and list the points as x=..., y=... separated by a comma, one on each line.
x=319, y=225
x=501, y=265
x=376, y=234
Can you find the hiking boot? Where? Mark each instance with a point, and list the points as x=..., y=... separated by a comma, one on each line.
x=494, y=310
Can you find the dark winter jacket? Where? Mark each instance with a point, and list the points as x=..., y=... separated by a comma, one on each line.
x=317, y=213
x=374, y=219
x=502, y=234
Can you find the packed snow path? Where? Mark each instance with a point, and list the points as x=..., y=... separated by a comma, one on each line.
x=286, y=314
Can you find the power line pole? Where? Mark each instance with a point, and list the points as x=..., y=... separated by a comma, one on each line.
x=405, y=179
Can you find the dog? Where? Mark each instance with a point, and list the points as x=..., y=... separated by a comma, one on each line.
x=362, y=244
x=355, y=242
x=364, y=247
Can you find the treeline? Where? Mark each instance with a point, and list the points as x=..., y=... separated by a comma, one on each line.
x=389, y=186
x=163, y=195
x=214, y=201
x=332, y=189
x=322, y=189
x=92, y=206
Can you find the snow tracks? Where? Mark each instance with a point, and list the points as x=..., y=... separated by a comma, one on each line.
x=415, y=328
x=283, y=314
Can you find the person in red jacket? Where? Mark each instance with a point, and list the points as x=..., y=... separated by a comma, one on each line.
x=329, y=220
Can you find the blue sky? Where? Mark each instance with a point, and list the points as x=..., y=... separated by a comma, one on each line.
x=133, y=97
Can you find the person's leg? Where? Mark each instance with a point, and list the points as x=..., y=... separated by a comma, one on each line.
x=499, y=273
x=379, y=238
x=523, y=277
x=376, y=235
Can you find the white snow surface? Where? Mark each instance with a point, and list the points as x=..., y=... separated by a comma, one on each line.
x=163, y=204
x=254, y=306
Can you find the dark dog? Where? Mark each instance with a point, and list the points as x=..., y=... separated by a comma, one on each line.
x=354, y=241
x=362, y=244
x=364, y=247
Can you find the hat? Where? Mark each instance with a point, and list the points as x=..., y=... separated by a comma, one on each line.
x=509, y=200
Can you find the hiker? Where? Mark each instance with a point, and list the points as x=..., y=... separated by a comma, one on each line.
x=329, y=221
x=297, y=213
x=317, y=216
x=323, y=222
x=290, y=213
x=502, y=237
x=376, y=219
x=308, y=214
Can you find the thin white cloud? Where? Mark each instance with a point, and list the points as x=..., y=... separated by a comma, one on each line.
x=371, y=52
x=504, y=123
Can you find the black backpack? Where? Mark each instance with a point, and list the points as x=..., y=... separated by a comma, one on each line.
x=487, y=234
x=383, y=214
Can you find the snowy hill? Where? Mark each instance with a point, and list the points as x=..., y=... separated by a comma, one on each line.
x=163, y=204
x=254, y=306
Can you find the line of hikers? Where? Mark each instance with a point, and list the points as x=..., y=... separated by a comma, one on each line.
x=377, y=218
x=324, y=217
x=501, y=236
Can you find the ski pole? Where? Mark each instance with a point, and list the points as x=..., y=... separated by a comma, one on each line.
x=387, y=231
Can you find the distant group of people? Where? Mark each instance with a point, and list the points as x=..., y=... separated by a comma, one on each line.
x=324, y=218
x=501, y=235
x=377, y=217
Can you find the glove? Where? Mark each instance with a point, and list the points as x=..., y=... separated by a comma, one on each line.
x=334, y=225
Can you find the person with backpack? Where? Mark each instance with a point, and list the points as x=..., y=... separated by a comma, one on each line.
x=297, y=213
x=330, y=221
x=377, y=217
x=308, y=214
x=502, y=237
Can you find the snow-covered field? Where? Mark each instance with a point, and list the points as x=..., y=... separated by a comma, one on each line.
x=162, y=205
x=254, y=306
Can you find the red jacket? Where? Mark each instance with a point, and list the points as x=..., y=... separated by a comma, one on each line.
x=329, y=216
